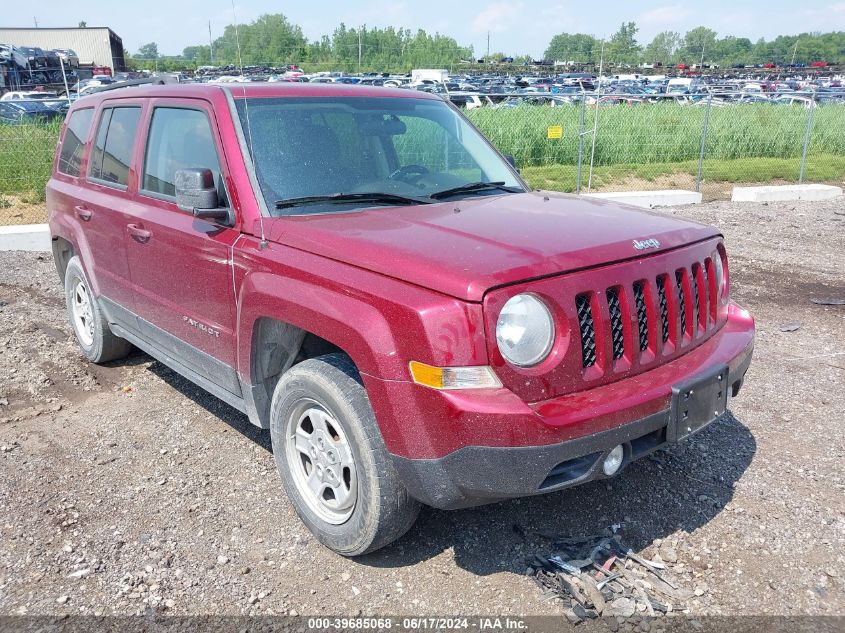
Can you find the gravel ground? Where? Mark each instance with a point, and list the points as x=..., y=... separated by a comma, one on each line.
x=125, y=488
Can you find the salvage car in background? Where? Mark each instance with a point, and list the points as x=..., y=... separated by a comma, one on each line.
x=68, y=56
x=22, y=112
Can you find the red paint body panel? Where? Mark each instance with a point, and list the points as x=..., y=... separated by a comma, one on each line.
x=391, y=285
x=492, y=241
x=498, y=417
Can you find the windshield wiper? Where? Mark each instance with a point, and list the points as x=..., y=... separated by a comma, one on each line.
x=333, y=198
x=474, y=186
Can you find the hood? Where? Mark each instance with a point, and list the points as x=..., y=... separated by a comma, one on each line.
x=465, y=247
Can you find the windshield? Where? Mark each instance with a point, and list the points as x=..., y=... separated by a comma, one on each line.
x=311, y=147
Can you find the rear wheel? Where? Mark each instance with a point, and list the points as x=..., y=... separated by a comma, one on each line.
x=96, y=340
x=332, y=460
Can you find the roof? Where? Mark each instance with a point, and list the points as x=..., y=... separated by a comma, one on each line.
x=58, y=28
x=254, y=90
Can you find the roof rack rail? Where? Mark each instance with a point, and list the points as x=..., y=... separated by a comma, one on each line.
x=159, y=81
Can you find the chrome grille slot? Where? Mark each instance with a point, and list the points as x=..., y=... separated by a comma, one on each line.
x=664, y=308
x=588, y=330
x=617, y=331
x=642, y=314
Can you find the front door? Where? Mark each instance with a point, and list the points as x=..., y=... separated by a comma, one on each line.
x=181, y=266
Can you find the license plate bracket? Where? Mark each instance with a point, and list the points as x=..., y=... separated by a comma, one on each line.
x=696, y=403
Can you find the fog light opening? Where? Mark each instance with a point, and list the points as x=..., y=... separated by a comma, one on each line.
x=613, y=462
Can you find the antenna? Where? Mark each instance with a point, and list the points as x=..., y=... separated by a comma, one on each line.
x=263, y=243
x=596, y=119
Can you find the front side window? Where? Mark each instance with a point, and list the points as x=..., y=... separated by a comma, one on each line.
x=112, y=152
x=179, y=139
x=305, y=147
x=73, y=146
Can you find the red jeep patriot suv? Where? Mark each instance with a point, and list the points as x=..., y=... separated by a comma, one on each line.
x=360, y=271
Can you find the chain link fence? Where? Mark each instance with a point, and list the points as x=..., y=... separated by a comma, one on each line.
x=578, y=143
x=704, y=142
x=26, y=159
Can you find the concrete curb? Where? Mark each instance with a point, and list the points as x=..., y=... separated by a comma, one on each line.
x=25, y=237
x=782, y=193
x=650, y=199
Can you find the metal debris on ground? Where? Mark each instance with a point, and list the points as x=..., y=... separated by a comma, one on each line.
x=832, y=301
x=599, y=576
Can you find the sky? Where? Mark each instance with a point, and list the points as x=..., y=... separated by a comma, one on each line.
x=515, y=26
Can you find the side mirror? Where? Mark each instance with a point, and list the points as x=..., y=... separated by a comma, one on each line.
x=196, y=193
x=512, y=162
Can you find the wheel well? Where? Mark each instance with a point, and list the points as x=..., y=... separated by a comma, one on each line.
x=62, y=254
x=276, y=347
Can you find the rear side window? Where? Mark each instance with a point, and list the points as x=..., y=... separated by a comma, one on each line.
x=73, y=146
x=112, y=151
x=179, y=138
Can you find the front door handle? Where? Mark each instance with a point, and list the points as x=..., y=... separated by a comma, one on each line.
x=83, y=213
x=138, y=234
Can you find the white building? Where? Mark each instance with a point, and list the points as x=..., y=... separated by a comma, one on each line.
x=94, y=45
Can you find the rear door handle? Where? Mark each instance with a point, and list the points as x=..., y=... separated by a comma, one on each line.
x=138, y=234
x=83, y=213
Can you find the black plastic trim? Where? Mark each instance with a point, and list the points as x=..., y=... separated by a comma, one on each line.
x=475, y=475
x=213, y=375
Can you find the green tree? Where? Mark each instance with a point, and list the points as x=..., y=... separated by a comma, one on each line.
x=623, y=47
x=698, y=44
x=148, y=51
x=83, y=24
x=576, y=47
x=732, y=50
x=662, y=48
x=271, y=39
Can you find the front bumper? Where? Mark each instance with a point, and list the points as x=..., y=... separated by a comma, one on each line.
x=474, y=474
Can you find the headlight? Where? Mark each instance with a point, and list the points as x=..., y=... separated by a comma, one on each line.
x=525, y=330
x=721, y=277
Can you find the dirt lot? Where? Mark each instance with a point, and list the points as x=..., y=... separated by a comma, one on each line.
x=21, y=210
x=125, y=488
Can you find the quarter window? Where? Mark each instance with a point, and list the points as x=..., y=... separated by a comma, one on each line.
x=112, y=151
x=179, y=139
x=73, y=146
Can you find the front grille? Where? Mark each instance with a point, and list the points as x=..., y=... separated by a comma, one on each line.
x=642, y=314
x=683, y=299
x=664, y=308
x=588, y=331
x=616, y=330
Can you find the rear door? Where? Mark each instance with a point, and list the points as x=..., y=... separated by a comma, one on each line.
x=181, y=266
x=102, y=201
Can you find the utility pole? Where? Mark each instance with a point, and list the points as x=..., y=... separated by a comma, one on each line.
x=34, y=19
x=488, y=47
x=359, y=49
x=703, y=44
x=210, y=42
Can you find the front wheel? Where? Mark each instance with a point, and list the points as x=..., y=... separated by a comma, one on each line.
x=332, y=460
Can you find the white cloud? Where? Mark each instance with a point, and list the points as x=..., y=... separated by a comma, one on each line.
x=558, y=17
x=497, y=17
x=665, y=16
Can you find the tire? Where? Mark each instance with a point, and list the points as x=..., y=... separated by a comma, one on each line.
x=90, y=327
x=361, y=505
